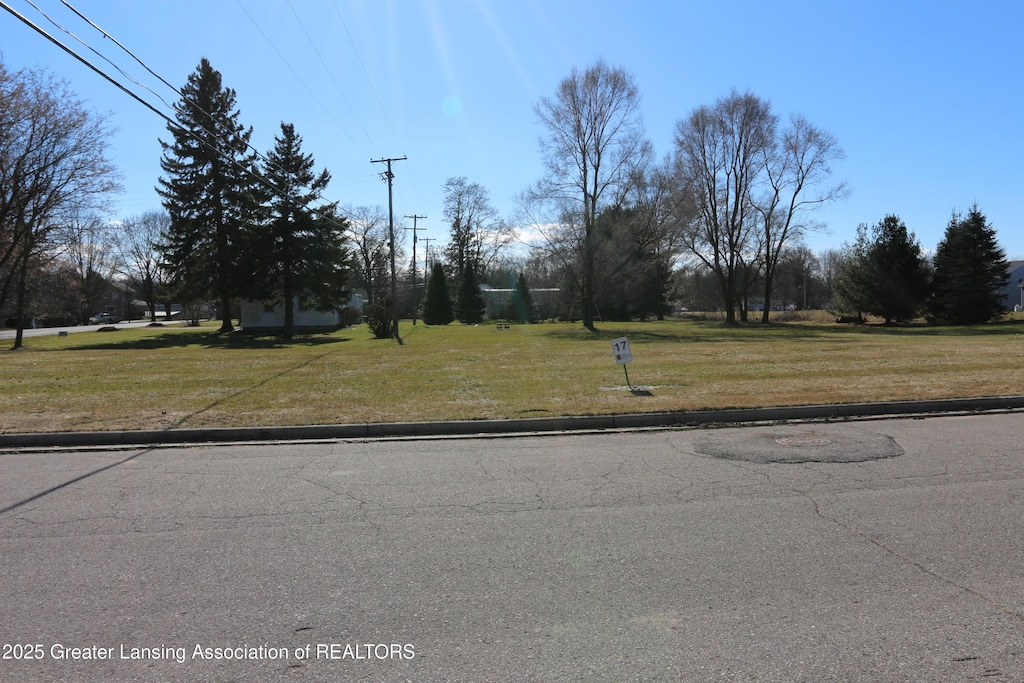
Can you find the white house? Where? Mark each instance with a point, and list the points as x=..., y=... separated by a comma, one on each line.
x=257, y=315
x=1013, y=295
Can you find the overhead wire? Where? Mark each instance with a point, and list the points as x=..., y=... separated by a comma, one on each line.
x=176, y=90
x=84, y=61
x=95, y=51
x=330, y=74
x=173, y=125
x=366, y=75
x=298, y=77
x=116, y=42
x=373, y=90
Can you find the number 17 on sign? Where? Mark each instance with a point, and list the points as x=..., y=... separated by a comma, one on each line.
x=620, y=347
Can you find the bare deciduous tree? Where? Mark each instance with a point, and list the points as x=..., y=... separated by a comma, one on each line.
x=719, y=155
x=86, y=248
x=52, y=165
x=799, y=164
x=478, y=234
x=368, y=230
x=594, y=145
x=137, y=243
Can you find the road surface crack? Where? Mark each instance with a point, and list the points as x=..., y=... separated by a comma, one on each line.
x=917, y=565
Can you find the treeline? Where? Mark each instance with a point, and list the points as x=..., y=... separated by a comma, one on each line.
x=615, y=233
x=886, y=273
x=237, y=223
x=720, y=222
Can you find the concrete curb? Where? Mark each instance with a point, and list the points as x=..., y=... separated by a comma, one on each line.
x=513, y=426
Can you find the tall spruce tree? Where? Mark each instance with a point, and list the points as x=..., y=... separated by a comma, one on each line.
x=437, y=307
x=522, y=308
x=301, y=252
x=885, y=272
x=471, y=305
x=970, y=272
x=209, y=190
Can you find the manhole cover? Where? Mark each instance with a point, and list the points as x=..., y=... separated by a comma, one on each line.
x=837, y=444
x=803, y=441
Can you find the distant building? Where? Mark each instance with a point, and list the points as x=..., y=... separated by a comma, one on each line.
x=497, y=300
x=1013, y=295
x=257, y=315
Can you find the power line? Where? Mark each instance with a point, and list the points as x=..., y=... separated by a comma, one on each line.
x=366, y=75
x=299, y=78
x=94, y=51
x=172, y=125
x=84, y=61
x=115, y=41
x=376, y=98
x=176, y=90
x=328, y=70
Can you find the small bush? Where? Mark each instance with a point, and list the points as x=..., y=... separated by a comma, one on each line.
x=378, y=317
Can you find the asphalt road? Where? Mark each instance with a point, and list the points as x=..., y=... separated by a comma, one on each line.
x=858, y=551
x=10, y=333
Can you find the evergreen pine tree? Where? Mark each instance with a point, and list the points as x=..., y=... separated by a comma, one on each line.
x=852, y=286
x=970, y=272
x=885, y=273
x=437, y=307
x=209, y=191
x=523, y=309
x=301, y=251
x=471, y=306
x=902, y=274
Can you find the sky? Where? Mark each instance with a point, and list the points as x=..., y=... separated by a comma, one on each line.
x=926, y=98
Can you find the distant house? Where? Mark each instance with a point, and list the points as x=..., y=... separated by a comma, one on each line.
x=497, y=301
x=1013, y=295
x=257, y=315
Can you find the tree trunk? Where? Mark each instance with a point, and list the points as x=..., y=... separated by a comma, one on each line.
x=19, y=305
x=587, y=305
x=289, y=316
x=287, y=291
x=768, y=284
x=225, y=315
x=729, y=297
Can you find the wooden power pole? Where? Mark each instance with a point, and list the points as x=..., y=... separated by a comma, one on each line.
x=389, y=176
x=414, y=218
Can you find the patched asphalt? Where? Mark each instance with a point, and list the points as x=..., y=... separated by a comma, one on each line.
x=832, y=444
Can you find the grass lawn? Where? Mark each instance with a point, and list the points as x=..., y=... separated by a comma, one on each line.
x=155, y=378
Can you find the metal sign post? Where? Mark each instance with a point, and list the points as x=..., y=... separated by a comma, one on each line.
x=620, y=347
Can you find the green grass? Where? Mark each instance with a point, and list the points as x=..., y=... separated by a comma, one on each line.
x=156, y=378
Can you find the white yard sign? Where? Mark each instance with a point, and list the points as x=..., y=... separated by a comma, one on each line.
x=620, y=347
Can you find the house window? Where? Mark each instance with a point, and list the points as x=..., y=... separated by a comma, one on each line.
x=303, y=303
x=268, y=308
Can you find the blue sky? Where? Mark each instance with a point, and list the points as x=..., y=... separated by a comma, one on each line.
x=925, y=97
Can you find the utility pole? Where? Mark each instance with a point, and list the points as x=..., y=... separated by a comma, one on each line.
x=426, y=263
x=389, y=176
x=414, y=217
x=426, y=253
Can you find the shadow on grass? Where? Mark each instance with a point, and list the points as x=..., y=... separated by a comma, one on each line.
x=215, y=340
x=1005, y=328
x=692, y=331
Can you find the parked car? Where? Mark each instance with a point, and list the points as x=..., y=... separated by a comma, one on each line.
x=104, y=319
